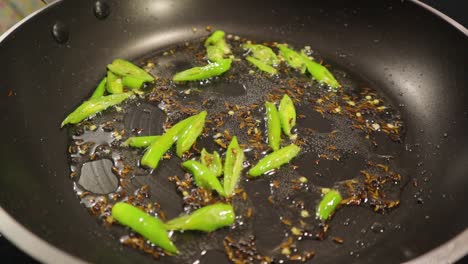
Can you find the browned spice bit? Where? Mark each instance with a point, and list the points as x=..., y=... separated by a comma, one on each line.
x=238, y=190
x=162, y=215
x=286, y=221
x=205, y=102
x=323, y=156
x=296, y=187
x=270, y=199
x=288, y=243
x=320, y=110
x=244, y=196
x=108, y=220
x=209, y=28
x=227, y=135
x=137, y=242
x=243, y=251
x=331, y=147
x=195, y=148
x=249, y=212
x=93, y=156
x=383, y=167
x=307, y=255
x=338, y=240
x=220, y=143
x=115, y=170
x=295, y=258
x=275, y=184
x=10, y=93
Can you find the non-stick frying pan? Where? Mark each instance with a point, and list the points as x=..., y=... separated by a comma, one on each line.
x=411, y=55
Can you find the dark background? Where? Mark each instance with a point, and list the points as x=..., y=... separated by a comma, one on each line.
x=456, y=9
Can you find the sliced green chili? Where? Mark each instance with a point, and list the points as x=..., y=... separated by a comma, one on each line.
x=132, y=82
x=214, y=53
x=261, y=65
x=201, y=73
x=100, y=89
x=328, y=204
x=125, y=68
x=320, y=72
x=303, y=62
x=206, y=219
x=215, y=38
x=93, y=106
x=212, y=161
x=291, y=57
x=150, y=227
x=203, y=176
x=233, y=166
x=274, y=125
x=262, y=53
x=140, y=142
x=191, y=133
x=216, y=46
x=114, y=83
x=287, y=114
x=160, y=146
x=275, y=160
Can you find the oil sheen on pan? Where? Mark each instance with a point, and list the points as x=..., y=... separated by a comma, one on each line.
x=350, y=137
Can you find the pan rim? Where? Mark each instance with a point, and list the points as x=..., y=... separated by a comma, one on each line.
x=32, y=244
x=15, y=232
x=448, y=252
x=443, y=16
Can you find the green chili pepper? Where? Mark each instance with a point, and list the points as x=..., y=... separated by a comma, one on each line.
x=150, y=227
x=191, y=133
x=261, y=65
x=203, y=176
x=233, y=166
x=114, y=83
x=212, y=161
x=100, y=89
x=214, y=38
x=328, y=204
x=125, y=68
x=161, y=145
x=93, y=106
x=204, y=72
x=262, y=53
x=140, y=142
x=206, y=219
x=274, y=160
x=320, y=72
x=214, y=53
x=216, y=46
x=132, y=82
x=287, y=114
x=274, y=126
x=293, y=58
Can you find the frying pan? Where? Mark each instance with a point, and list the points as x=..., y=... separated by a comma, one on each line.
x=407, y=52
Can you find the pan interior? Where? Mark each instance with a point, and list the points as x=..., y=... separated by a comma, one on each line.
x=352, y=140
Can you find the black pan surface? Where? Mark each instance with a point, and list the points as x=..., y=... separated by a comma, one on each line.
x=413, y=57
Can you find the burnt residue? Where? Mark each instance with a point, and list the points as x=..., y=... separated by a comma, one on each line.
x=351, y=140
